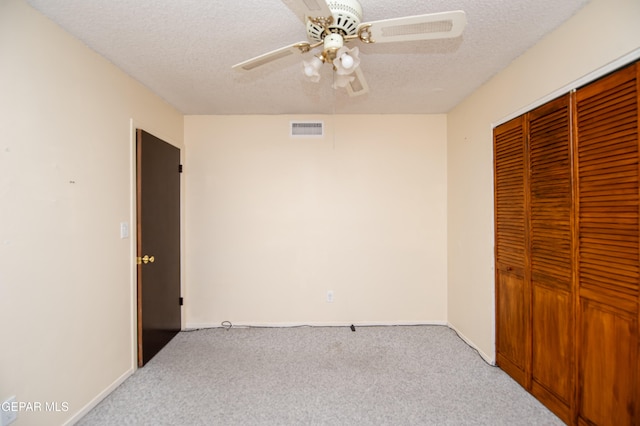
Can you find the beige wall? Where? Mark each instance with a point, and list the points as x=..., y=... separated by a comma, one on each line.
x=65, y=186
x=603, y=32
x=273, y=222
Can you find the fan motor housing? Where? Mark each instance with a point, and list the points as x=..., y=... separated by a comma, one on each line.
x=347, y=15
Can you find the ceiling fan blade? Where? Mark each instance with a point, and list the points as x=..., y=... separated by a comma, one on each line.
x=417, y=27
x=359, y=85
x=283, y=52
x=308, y=8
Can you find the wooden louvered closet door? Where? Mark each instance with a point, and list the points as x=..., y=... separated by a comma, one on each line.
x=512, y=293
x=567, y=221
x=609, y=256
x=551, y=255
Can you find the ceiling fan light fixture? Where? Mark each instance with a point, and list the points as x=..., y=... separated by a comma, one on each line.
x=347, y=60
x=312, y=67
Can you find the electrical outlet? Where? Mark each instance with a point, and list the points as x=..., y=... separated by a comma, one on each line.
x=330, y=296
x=7, y=414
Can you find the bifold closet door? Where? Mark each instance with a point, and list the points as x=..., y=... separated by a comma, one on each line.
x=609, y=256
x=512, y=292
x=552, y=307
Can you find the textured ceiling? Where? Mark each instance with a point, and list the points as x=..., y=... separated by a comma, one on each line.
x=183, y=50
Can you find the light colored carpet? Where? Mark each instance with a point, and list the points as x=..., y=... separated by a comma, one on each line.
x=396, y=375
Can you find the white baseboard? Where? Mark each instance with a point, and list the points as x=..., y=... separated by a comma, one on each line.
x=102, y=395
x=487, y=358
x=198, y=326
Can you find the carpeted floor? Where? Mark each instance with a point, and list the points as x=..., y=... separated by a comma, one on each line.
x=396, y=375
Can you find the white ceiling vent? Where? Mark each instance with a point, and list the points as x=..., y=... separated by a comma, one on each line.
x=307, y=128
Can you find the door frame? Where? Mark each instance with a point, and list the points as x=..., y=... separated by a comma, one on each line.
x=133, y=231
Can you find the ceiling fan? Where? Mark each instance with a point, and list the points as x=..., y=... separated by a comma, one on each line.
x=332, y=24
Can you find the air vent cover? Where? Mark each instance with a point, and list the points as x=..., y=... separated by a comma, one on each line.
x=307, y=128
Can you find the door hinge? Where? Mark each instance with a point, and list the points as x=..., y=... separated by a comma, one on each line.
x=181, y=301
x=180, y=168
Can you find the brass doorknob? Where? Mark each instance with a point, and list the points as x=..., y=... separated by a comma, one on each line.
x=145, y=259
